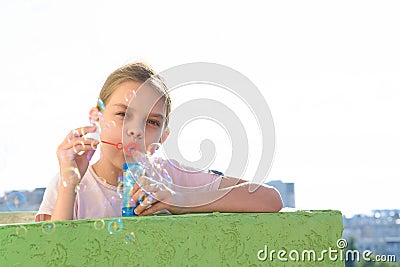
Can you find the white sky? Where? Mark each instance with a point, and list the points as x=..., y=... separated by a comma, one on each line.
x=329, y=72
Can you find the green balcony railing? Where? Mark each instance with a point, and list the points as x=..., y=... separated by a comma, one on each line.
x=296, y=238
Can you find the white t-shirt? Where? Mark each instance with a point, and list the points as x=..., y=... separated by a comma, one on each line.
x=97, y=199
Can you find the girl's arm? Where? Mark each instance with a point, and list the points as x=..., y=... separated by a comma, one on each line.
x=64, y=207
x=233, y=196
x=237, y=199
x=73, y=154
x=49, y=200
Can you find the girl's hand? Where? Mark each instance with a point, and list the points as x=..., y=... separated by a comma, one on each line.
x=75, y=152
x=154, y=196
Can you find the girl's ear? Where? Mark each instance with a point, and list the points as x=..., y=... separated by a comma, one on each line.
x=94, y=114
x=164, y=136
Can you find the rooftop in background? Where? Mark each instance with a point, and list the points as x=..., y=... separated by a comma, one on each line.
x=287, y=192
x=22, y=200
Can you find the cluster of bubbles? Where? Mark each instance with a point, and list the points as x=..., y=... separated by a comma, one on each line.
x=113, y=227
x=130, y=237
x=21, y=231
x=147, y=165
x=110, y=124
x=99, y=224
x=48, y=227
x=94, y=137
x=144, y=169
x=71, y=175
x=153, y=166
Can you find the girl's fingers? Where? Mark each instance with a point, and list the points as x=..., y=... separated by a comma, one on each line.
x=80, y=149
x=79, y=141
x=148, y=194
x=135, y=188
x=144, y=181
x=79, y=132
x=75, y=138
x=69, y=152
x=147, y=203
x=84, y=145
x=83, y=130
x=138, y=191
x=139, y=196
x=154, y=208
x=150, y=188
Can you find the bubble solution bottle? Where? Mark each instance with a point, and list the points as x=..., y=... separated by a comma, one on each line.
x=144, y=164
x=131, y=172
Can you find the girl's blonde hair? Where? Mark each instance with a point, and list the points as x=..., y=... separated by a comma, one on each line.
x=138, y=72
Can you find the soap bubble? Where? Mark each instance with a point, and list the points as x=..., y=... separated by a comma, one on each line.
x=77, y=188
x=147, y=170
x=162, y=173
x=90, y=153
x=120, y=178
x=67, y=156
x=48, y=227
x=150, y=199
x=152, y=148
x=101, y=117
x=120, y=190
x=130, y=237
x=98, y=224
x=21, y=231
x=113, y=202
x=166, y=177
x=100, y=104
x=132, y=202
x=115, y=226
x=141, y=197
x=130, y=95
x=70, y=176
x=94, y=136
x=103, y=180
x=134, y=171
x=110, y=125
x=77, y=148
x=74, y=133
x=15, y=200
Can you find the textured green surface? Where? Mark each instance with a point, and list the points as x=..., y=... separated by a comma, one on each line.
x=217, y=239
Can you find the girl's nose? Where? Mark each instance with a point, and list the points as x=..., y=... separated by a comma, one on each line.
x=135, y=132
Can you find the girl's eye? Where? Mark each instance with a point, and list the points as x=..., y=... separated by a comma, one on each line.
x=122, y=114
x=154, y=122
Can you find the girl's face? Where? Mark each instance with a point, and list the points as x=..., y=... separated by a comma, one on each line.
x=132, y=115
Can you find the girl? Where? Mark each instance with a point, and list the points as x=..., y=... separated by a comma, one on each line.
x=134, y=105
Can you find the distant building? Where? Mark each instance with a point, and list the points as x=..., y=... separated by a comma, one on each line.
x=378, y=232
x=287, y=192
